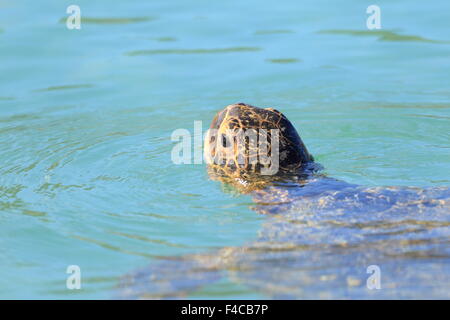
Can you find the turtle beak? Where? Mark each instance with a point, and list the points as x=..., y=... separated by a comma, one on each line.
x=209, y=148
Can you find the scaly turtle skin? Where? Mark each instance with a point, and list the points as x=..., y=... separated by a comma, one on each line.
x=321, y=235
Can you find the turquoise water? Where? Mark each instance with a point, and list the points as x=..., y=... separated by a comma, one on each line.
x=86, y=116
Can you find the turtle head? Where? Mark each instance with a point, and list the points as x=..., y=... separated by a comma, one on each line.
x=247, y=143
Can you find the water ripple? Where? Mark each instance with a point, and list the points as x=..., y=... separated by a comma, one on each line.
x=265, y=32
x=66, y=87
x=283, y=61
x=192, y=51
x=98, y=20
x=382, y=35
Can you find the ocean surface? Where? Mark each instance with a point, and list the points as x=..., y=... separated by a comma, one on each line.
x=86, y=117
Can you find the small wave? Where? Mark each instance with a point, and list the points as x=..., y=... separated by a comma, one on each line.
x=407, y=106
x=109, y=246
x=165, y=39
x=265, y=32
x=34, y=213
x=431, y=116
x=97, y=20
x=287, y=60
x=382, y=35
x=19, y=117
x=65, y=87
x=147, y=239
x=191, y=51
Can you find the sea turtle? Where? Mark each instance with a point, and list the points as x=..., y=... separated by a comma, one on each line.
x=322, y=238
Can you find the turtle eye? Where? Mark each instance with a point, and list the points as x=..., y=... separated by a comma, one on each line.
x=224, y=141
